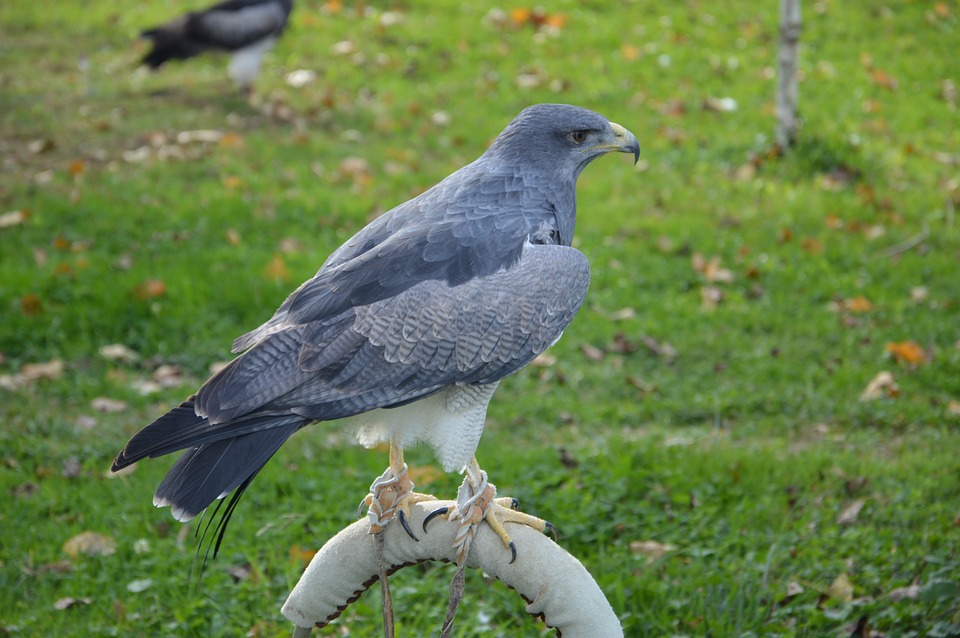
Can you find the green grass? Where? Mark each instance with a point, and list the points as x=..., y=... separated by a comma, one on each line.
x=741, y=451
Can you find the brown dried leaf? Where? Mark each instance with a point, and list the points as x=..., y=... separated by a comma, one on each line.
x=907, y=352
x=168, y=376
x=69, y=601
x=30, y=305
x=151, y=289
x=910, y=592
x=231, y=140
x=841, y=588
x=622, y=314
x=118, y=352
x=881, y=386
x=277, y=269
x=953, y=407
x=107, y=405
x=710, y=297
x=91, y=544
x=661, y=349
x=850, y=513
x=883, y=79
x=76, y=168
x=591, y=352
x=14, y=218
x=794, y=588
x=651, y=549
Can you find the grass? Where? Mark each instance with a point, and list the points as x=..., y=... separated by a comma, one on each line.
x=741, y=450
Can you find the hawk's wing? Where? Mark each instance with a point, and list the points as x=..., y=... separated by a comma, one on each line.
x=407, y=346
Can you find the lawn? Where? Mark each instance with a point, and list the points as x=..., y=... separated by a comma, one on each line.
x=751, y=428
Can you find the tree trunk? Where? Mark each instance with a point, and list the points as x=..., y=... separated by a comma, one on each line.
x=790, y=24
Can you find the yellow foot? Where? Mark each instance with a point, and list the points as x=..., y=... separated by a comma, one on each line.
x=477, y=502
x=391, y=496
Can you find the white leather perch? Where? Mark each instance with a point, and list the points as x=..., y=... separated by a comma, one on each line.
x=556, y=586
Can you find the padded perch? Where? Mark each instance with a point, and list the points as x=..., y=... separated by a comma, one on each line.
x=556, y=585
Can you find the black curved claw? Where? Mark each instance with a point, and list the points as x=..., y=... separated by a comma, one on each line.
x=513, y=552
x=406, y=525
x=440, y=511
x=550, y=527
x=514, y=505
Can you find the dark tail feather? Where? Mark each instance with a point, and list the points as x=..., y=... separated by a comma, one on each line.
x=181, y=428
x=213, y=470
x=168, y=44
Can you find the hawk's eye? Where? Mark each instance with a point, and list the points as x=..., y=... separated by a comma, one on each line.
x=577, y=137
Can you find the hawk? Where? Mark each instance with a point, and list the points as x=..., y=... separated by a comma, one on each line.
x=406, y=330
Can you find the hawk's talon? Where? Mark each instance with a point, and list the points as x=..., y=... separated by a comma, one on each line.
x=440, y=511
x=552, y=529
x=406, y=525
x=513, y=552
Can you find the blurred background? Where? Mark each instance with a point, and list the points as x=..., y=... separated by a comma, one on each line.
x=750, y=428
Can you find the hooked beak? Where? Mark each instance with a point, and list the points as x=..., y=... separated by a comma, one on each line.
x=623, y=142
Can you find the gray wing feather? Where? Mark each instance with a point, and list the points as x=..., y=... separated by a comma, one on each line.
x=237, y=29
x=428, y=337
x=487, y=326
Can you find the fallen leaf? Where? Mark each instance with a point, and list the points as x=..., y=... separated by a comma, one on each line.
x=31, y=372
x=118, y=352
x=919, y=294
x=841, y=588
x=908, y=352
x=14, y=218
x=661, y=349
x=69, y=601
x=168, y=376
x=720, y=104
x=794, y=588
x=651, y=549
x=137, y=586
x=883, y=385
x=71, y=468
x=710, y=297
x=277, y=269
x=711, y=269
x=31, y=305
x=233, y=237
x=591, y=352
x=208, y=136
x=856, y=305
x=232, y=182
x=812, y=245
x=41, y=146
x=76, y=168
x=231, y=140
x=150, y=289
x=107, y=405
x=953, y=407
x=849, y=514
x=91, y=544
x=622, y=314
x=910, y=592
x=883, y=79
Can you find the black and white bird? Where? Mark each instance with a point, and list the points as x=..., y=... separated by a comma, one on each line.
x=246, y=29
x=406, y=330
